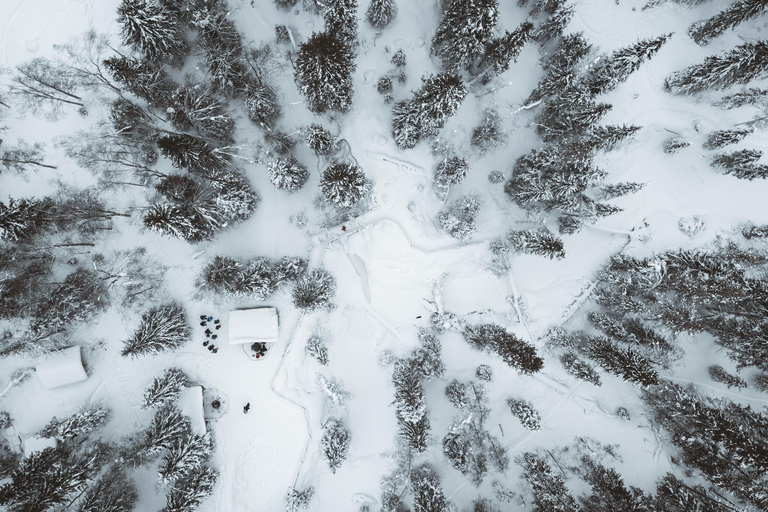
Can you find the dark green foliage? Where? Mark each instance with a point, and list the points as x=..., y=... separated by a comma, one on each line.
x=77, y=426
x=612, y=70
x=514, y=351
x=464, y=32
x=703, y=32
x=555, y=24
x=718, y=374
x=340, y=18
x=549, y=491
x=560, y=67
x=722, y=138
x=324, y=68
x=314, y=291
x=570, y=113
x=738, y=66
x=192, y=153
x=502, y=51
x=161, y=329
x=742, y=164
x=439, y=97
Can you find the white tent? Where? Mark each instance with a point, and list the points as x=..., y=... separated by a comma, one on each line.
x=258, y=325
x=191, y=405
x=62, y=368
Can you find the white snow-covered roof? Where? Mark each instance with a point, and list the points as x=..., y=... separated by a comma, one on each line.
x=36, y=444
x=253, y=325
x=191, y=405
x=62, y=368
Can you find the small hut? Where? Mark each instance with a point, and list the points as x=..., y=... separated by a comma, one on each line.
x=256, y=325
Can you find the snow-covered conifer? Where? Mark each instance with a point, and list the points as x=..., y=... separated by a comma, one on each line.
x=459, y=219
x=428, y=494
x=319, y=140
x=610, y=71
x=335, y=443
x=324, y=68
x=703, y=32
x=79, y=424
x=142, y=78
x=399, y=59
x=151, y=30
x=540, y=242
x=164, y=388
x=555, y=24
x=569, y=113
x=193, y=107
x=409, y=394
x=675, y=144
x=721, y=138
x=113, y=492
x=718, y=374
x=192, y=153
x=222, y=49
x=167, y=427
x=624, y=362
x=287, y=174
x=314, y=291
x=423, y=116
x=161, y=328
x=742, y=164
x=380, y=13
x=750, y=232
x=514, y=351
x=737, y=66
x=502, y=51
x=344, y=184
x=610, y=136
x=525, y=412
x=189, y=492
x=549, y=490
x=261, y=104
x=484, y=373
x=78, y=298
x=317, y=348
x=451, y=171
x=488, y=135
x=340, y=18
x=20, y=219
x=614, y=190
x=464, y=31
x=298, y=500
x=186, y=454
x=580, y=368
x=561, y=66
x=426, y=360
x=384, y=85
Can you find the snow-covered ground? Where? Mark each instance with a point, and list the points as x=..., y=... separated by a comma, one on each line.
x=391, y=262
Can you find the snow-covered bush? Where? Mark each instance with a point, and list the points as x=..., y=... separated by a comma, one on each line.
x=446, y=321
x=165, y=388
x=623, y=413
x=344, y=185
x=525, y=412
x=750, y=232
x=399, y=59
x=484, y=373
x=161, y=329
x=298, y=500
x=459, y=219
x=334, y=394
x=79, y=424
x=287, y=174
x=451, y=171
x=314, y=291
x=317, y=348
x=334, y=444
x=718, y=374
x=488, y=135
x=384, y=85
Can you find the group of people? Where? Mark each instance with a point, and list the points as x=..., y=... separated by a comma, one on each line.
x=210, y=335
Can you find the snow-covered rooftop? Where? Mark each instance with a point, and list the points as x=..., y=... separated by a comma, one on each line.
x=62, y=368
x=191, y=405
x=253, y=325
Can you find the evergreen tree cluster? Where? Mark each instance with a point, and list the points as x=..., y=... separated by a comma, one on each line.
x=742, y=164
x=703, y=32
x=257, y=278
x=314, y=291
x=464, y=32
x=162, y=328
x=459, y=219
x=79, y=425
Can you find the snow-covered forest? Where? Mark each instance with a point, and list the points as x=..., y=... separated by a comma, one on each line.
x=380, y=255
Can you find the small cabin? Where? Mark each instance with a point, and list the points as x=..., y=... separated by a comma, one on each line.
x=256, y=325
x=61, y=368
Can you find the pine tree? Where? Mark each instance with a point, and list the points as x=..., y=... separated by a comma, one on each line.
x=165, y=388
x=624, y=362
x=750, y=232
x=721, y=138
x=742, y=164
x=340, y=18
x=398, y=58
x=113, y=492
x=193, y=107
x=76, y=299
x=459, y=219
x=488, y=135
x=513, y=351
x=150, y=29
x=428, y=494
x=673, y=495
x=549, y=491
x=451, y=171
x=427, y=358
x=344, y=184
x=142, y=78
x=675, y=144
x=324, y=68
x=21, y=219
x=162, y=328
x=612, y=70
x=609, y=491
x=609, y=137
x=703, y=32
x=298, y=500
x=167, y=427
x=79, y=424
x=439, y=97
x=525, y=412
x=540, y=242
x=738, y=66
x=410, y=404
x=287, y=174
x=580, y=368
x=189, y=492
x=502, y=51
x=555, y=24
x=186, y=454
x=192, y=153
x=334, y=444
x=614, y=190
x=561, y=66
x=314, y=291
x=718, y=374
x=261, y=104
x=570, y=113
x=381, y=13
x=319, y=140
x=223, y=51
x=464, y=32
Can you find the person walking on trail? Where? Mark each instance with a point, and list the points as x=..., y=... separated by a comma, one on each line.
x=247, y=408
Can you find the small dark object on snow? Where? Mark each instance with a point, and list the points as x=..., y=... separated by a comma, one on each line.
x=418, y=316
x=210, y=319
x=343, y=228
x=207, y=335
x=247, y=408
x=216, y=321
x=215, y=404
x=203, y=323
x=208, y=331
x=218, y=327
x=203, y=317
x=205, y=343
x=216, y=350
x=215, y=336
